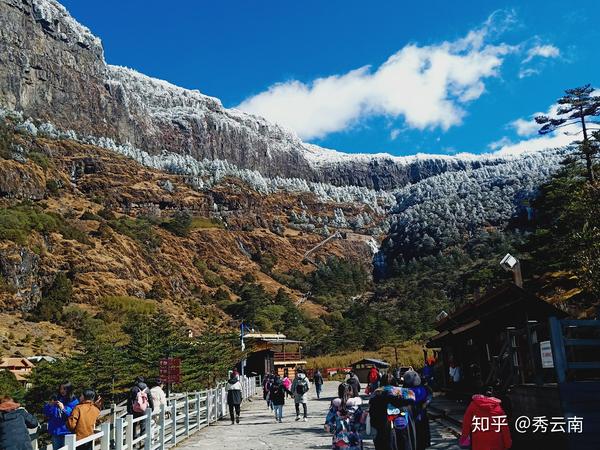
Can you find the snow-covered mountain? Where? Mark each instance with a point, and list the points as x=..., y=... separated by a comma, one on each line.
x=53, y=69
x=440, y=211
x=54, y=80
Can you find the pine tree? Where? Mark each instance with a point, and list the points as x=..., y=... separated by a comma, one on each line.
x=576, y=107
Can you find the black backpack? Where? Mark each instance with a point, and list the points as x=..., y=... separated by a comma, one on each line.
x=301, y=388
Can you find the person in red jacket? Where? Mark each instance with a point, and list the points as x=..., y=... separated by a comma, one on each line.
x=485, y=424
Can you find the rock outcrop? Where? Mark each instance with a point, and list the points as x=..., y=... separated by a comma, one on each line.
x=52, y=68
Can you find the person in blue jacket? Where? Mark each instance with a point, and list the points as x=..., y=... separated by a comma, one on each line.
x=57, y=411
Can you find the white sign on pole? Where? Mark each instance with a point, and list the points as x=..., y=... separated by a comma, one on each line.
x=546, y=354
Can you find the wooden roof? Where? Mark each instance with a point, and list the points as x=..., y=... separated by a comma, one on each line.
x=375, y=362
x=506, y=303
x=16, y=362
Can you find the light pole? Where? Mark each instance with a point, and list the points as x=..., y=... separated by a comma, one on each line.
x=512, y=264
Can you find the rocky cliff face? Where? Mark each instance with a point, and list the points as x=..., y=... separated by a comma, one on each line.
x=52, y=68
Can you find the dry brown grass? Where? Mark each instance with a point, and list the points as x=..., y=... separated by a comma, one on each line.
x=410, y=353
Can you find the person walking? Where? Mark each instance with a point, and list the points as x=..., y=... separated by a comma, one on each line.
x=159, y=398
x=390, y=415
x=354, y=383
x=277, y=395
x=267, y=388
x=234, y=397
x=300, y=388
x=423, y=397
x=139, y=402
x=373, y=378
x=57, y=411
x=84, y=416
x=287, y=384
x=346, y=420
x=318, y=382
x=484, y=407
x=15, y=422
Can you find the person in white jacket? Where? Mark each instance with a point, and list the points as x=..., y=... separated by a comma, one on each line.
x=300, y=388
x=159, y=398
x=234, y=397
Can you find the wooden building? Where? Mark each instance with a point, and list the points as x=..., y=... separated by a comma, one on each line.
x=539, y=362
x=363, y=367
x=495, y=340
x=20, y=367
x=273, y=352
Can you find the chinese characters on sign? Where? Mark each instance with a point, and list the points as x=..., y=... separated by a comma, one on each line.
x=546, y=355
x=170, y=370
x=537, y=424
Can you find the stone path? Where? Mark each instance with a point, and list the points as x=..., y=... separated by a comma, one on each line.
x=259, y=431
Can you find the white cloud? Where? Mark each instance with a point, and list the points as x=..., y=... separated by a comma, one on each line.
x=537, y=51
x=525, y=127
x=394, y=134
x=428, y=86
x=533, y=142
x=543, y=51
x=500, y=143
x=525, y=72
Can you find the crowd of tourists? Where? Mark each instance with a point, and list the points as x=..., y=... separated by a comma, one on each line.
x=393, y=409
x=66, y=413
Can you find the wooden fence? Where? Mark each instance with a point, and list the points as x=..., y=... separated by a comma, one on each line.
x=184, y=415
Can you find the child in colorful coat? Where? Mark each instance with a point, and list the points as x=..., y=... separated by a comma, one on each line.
x=346, y=420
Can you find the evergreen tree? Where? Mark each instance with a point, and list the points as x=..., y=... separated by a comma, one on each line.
x=577, y=106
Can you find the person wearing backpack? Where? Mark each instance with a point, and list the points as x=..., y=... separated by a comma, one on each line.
x=390, y=413
x=300, y=388
x=318, y=381
x=139, y=402
x=277, y=395
x=234, y=397
x=354, y=383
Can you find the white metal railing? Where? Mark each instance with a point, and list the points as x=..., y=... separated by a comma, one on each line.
x=184, y=415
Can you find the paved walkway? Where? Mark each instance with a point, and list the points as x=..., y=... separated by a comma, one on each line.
x=259, y=431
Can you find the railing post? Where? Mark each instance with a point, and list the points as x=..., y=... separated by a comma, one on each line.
x=186, y=410
x=119, y=434
x=216, y=405
x=174, y=422
x=198, y=409
x=220, y=398
x=71, y=441
x=105, y=440
x=208, y=407
x=148, y=427
x=129, y=432
x=161, y=431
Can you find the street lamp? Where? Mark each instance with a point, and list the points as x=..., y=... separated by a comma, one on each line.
x=512, y=264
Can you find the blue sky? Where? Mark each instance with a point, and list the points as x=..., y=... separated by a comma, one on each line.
x=486, y=63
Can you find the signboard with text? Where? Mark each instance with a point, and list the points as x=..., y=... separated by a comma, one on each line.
x=546, y=355
x=170, y=370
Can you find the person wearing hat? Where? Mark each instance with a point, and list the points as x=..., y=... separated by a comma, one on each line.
x=423, y=396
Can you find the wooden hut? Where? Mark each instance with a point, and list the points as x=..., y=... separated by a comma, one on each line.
x=363, y=367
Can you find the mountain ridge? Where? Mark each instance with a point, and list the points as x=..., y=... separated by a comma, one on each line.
x=53, y=62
